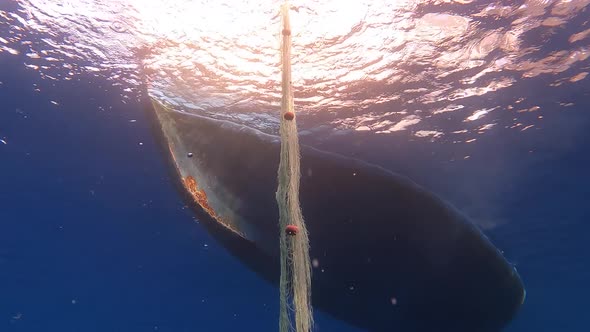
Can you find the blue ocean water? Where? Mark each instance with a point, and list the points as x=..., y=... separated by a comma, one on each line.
x=95, y=237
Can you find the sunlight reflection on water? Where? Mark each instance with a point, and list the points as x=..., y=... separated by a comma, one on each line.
x=373, y=66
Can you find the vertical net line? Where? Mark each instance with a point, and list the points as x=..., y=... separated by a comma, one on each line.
x=295, y=282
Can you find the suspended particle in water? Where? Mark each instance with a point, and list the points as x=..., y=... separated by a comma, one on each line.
x=315, y=263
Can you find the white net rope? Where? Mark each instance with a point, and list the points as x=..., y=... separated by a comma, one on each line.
x=295, y=284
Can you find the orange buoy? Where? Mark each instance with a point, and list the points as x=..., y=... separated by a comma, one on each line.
x=289, y=116
x=291, y=230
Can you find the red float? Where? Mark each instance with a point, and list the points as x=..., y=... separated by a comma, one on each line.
x=291, y=230
x=289, y=116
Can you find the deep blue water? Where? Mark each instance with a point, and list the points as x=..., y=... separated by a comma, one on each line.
x=95, y=237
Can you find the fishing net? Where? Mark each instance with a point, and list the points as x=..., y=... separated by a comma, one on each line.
x=295, y=283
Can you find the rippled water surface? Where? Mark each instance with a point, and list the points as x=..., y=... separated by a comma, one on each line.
x=377, y=66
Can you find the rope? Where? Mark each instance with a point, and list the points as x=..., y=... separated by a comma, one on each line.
x=295, y=284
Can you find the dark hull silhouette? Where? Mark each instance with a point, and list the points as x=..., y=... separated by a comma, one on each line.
x=388, y=255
